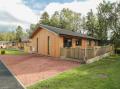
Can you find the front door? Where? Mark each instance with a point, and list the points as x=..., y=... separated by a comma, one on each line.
x=48, y=45
x=37, y=46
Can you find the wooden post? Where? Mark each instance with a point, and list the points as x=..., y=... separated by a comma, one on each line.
x=94, y=51
x=85, y=52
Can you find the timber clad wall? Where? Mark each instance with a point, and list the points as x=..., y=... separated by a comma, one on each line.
x=54, y=43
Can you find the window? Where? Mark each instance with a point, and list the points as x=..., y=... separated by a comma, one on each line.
x=67, y=42
x=89, y=42
x=13, y=43
x=78, y=42
x=96, y=43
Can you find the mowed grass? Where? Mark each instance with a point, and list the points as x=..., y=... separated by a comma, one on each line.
x=12, y=52
x=104, y=74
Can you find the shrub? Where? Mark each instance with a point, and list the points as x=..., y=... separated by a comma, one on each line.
x=3, y=52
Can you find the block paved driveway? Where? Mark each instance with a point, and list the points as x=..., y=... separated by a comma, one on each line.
x=7, y=81
x=30, y=69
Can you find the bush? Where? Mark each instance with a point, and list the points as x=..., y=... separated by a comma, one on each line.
x=3, y=52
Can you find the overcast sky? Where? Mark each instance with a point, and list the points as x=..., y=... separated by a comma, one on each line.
x=25, y=12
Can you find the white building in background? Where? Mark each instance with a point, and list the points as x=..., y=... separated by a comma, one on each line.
x=3, y=44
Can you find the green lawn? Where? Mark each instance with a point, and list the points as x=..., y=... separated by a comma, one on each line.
x=12, y=52
x=104, y=74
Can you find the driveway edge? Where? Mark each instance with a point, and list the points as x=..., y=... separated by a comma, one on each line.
x=13, y=75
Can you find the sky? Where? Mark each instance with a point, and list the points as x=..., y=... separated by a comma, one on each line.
x=26, y=12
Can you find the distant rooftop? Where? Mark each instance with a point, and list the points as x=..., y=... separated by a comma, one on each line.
x=25, y=38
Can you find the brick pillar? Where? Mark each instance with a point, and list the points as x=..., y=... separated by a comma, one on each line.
x=92, y=43
x=84, y=43
x=84, y=46
x=73, y=43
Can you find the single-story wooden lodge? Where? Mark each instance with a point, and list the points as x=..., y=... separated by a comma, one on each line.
x=48, y=40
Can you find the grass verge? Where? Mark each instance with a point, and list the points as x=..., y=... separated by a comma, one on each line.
x=104, y=74
x=12, y=52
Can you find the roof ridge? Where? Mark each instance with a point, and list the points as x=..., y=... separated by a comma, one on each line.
x=61, y=29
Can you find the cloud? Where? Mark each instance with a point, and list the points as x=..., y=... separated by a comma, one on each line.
x=14, y=12
x=40, y=4
x=79, y=6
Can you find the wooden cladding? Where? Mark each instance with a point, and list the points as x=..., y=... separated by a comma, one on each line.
x=48, y=43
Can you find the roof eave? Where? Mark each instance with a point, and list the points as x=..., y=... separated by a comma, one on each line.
x=78, y=36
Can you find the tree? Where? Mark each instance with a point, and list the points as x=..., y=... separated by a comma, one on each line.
x=115, y=20
x=12, y=36
x=45, y=18
x=90, y=23
x=19, y=33
x=7, y=36
x=76, y=22
x=65, y=19
x=69, y=20
x=31, y=29
x=55, y=19
x=103, y=16
x=83, y=25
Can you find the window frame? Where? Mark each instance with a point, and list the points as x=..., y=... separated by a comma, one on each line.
x=78, y=42
x=67, y=43
x=89, y=42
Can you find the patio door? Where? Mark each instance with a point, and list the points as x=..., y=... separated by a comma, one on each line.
x=48, y=45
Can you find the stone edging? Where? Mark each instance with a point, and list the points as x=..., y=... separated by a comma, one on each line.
x=98, y=57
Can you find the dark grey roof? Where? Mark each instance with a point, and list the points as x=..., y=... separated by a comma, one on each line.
x=64, y=32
